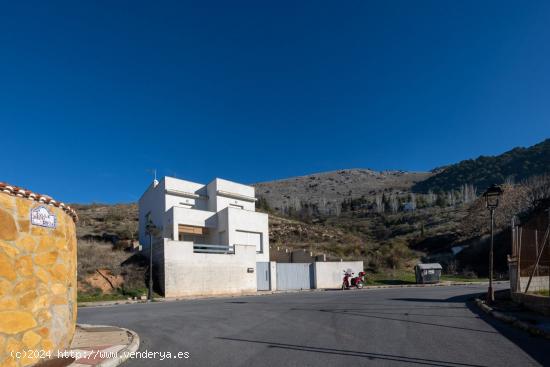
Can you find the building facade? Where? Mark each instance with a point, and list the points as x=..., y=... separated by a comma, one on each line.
x=210, y=239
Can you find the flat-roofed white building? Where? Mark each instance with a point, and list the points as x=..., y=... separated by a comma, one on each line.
x=211, y=239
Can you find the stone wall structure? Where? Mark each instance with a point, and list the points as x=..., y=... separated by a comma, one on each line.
x=37, y=275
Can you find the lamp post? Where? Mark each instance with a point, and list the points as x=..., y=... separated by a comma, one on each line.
x=492, y=196
x=153, y=231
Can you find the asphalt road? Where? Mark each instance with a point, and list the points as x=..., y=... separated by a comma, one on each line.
x=380, y=327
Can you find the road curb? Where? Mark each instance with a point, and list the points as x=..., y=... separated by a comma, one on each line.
x=443, y=284
x=263, y=293
x=512, y=320
x=124, y=354
x=110, y=303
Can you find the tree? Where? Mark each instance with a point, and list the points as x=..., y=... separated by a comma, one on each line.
x=323, y=206
x=451, y=198
x=538, y=188
x=468, y=193
x=337, y=208
x=394, y=203
x=430, y=198
x=440, y=201
x=263, y=205
x=379, y=203
x=412, y=200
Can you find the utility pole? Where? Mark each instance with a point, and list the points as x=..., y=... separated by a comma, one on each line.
x=548, y=229
x=492, y=196
x=150, y=293
x=153, y=231
x=491, y=293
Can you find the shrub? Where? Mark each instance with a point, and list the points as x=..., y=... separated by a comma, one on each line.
x=93, y=255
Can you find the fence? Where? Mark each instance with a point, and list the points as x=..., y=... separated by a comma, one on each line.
x=213, y=249
x=295, y=276
x=529, y=263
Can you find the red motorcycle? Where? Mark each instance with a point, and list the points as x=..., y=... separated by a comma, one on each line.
x=351, y=281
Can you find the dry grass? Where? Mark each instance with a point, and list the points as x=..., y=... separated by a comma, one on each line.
x=93, y=255
x=110, y=223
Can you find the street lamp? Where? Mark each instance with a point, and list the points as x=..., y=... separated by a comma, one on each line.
x=153, y=231
x=492, y=196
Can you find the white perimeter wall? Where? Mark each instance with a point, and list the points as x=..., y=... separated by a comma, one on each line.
x=537, y=283
x=191, y=274
x=330, y=274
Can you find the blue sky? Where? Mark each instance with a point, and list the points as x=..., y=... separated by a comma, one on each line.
x=94, y=94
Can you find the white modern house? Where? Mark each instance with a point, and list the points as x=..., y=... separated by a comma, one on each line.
x=210, y=239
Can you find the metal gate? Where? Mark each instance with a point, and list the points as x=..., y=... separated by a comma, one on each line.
x=263, y=276
x=294, y=276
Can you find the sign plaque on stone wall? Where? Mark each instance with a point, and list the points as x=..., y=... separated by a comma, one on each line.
x=41, y=216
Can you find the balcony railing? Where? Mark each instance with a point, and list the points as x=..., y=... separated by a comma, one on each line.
x=213, y=249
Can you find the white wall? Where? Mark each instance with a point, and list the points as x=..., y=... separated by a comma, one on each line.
x=219, y=202
x=223, y=202
x=234, y=187
x=173, y=183
x=191, y=217
x=537, y=283
x=330, y=274
x=152, y=201
x=223, y=228
x=175, y=199
x=273, y=275
x=244, y=220
x=191, y=274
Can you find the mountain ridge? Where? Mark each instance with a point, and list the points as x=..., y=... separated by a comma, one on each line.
x=327, y=190
x=516, y=164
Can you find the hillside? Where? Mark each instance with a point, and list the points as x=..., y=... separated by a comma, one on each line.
x=515, y=165
x=384, y=218
x=325, y=192
x=111, y=223
x=107, y=266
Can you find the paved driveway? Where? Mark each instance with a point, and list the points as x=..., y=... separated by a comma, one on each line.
x=383, y=327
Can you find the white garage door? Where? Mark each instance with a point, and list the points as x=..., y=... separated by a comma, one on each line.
x=250, y=238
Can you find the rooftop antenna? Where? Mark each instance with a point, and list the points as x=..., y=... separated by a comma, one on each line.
x=154, y=172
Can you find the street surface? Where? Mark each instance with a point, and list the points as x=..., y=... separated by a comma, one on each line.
x=432, y=326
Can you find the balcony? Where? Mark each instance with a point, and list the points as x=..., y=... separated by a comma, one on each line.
x=177, y=217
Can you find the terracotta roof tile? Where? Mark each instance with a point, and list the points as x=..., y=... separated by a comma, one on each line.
x=20, y=192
